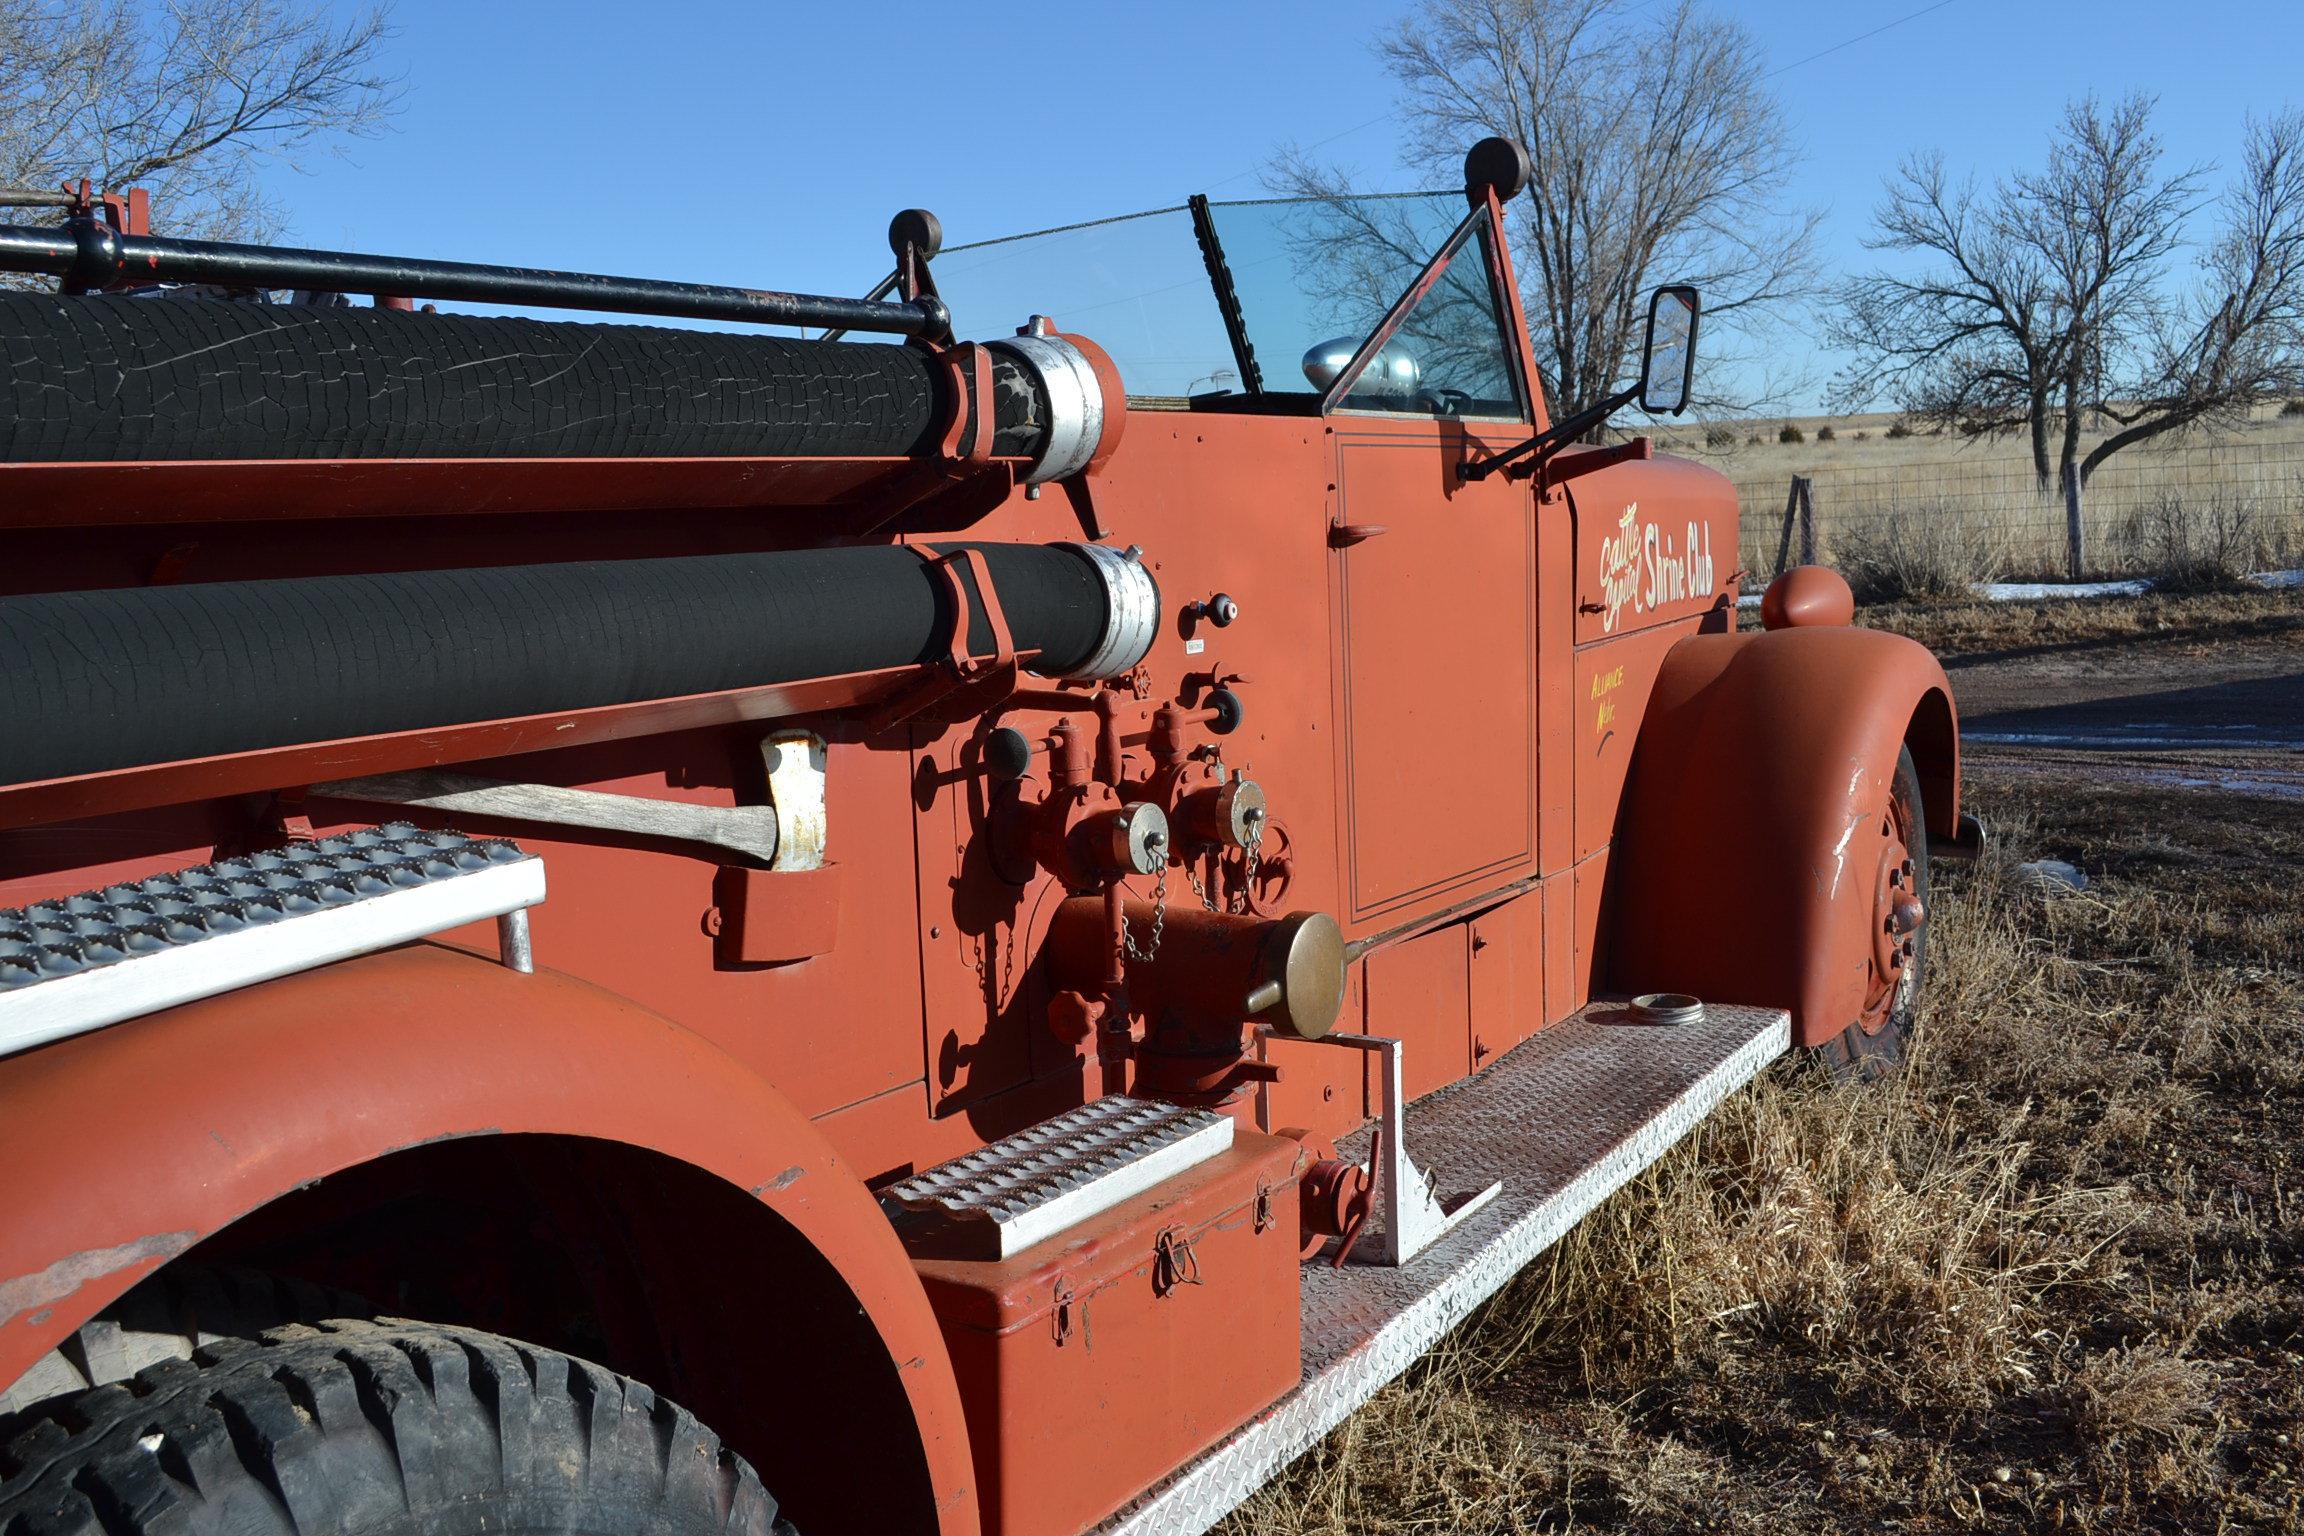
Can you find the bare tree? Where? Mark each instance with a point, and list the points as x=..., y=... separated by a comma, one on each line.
x=1659, y=155
x=2045, y=305
x=188, y=98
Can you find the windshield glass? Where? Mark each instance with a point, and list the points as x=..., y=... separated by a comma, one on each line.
x=1449, y=351
x=1311, y=272
x=1313, y=278
x=1134, y=285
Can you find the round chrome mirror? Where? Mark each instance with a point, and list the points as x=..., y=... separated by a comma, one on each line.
x=1391, y=374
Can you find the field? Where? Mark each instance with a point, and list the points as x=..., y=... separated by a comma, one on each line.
x=2051, y=1279
x=1921, y=513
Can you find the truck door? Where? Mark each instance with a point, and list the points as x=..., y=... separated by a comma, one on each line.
x=1434, y=597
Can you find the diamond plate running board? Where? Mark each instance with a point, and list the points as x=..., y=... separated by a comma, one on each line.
x=1564, y=1120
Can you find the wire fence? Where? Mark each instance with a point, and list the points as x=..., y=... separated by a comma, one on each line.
x=1915, y=514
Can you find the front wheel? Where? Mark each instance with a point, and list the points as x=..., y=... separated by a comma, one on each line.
x=1892, y=851
x=387, y=1428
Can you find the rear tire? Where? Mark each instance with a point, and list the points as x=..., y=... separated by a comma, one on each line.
x=387, y=1428
x=1877, y=1043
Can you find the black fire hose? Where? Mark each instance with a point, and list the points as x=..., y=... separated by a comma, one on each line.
x=116, y=679
x=112, y=378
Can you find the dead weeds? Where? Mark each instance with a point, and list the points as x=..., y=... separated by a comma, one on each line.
x=2180, y=623
x=2047, y=1280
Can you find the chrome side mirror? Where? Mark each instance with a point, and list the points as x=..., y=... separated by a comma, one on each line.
x=1391, y=374
x=1669, y=364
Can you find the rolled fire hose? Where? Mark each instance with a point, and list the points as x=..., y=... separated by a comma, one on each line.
x=115, y=679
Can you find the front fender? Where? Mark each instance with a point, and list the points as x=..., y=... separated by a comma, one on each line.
x=1757, y=758
x=126, y=1146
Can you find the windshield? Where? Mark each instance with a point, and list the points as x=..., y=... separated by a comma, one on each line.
x=1313, y=277
x=1318, y=271
x=1136, y=285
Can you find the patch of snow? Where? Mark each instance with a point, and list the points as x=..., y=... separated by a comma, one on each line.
x=2115, y=740
x=2052, y=876
x=2046, y=591
x=2041, y=591
x=2278, y=788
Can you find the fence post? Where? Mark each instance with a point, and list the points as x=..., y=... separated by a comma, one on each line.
x=2075, y=533
x=1799, y=502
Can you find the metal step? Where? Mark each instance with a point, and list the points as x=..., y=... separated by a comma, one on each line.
x=1023, y=1189
x=82, y=962
x=1564, y=1121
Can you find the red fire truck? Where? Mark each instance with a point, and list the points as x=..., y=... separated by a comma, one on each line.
x=980, y=919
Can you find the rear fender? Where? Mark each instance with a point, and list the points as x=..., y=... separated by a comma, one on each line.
x=127, y=1146
x=1758, y=757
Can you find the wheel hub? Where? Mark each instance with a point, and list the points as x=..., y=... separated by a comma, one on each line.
x=1897, y=913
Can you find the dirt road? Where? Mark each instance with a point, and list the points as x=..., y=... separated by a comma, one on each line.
x=2187, y=706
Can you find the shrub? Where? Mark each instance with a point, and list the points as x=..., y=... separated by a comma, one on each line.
x=1791, y=434
x=2201, y=543
x=1719, y=437
x=1926, y=552
x=1863, y=437
x=1754, y=440
x=1900, y=428
x=2293, y=408
x=1825, y=434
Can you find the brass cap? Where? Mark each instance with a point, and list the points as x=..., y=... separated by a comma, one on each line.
x=1303, y=961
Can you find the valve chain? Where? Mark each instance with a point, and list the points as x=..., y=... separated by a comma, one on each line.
x=1149, y=951
x=1254, y=848
x=1192, y=877
x=1007, y=967
x=1148, y=954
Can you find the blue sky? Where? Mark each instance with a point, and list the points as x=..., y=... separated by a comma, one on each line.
x=767, y=144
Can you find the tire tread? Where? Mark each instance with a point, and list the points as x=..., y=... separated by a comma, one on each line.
x=367, y=1426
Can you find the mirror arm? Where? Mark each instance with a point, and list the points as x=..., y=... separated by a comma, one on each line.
x=1545, y=444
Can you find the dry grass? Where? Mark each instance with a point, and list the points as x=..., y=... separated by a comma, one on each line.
x=2195, y=508
x=2051, y=1279
x=2186, y=623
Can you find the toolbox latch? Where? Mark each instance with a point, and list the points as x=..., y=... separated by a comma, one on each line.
x=1174, y=1261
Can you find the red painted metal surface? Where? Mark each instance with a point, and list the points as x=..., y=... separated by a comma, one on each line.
x=1808, y=595
x=1655, y=542
x=1784, y=913
x=1435, y=679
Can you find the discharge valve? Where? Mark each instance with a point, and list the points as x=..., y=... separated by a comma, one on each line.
x=1133, y=840
x=1231, y=814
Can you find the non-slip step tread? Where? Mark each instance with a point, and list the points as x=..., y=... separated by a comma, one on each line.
x=77, y=934
x=1025, y=1188
x=82, y=963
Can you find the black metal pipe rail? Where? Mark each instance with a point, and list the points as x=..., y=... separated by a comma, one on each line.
x=89, y=255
